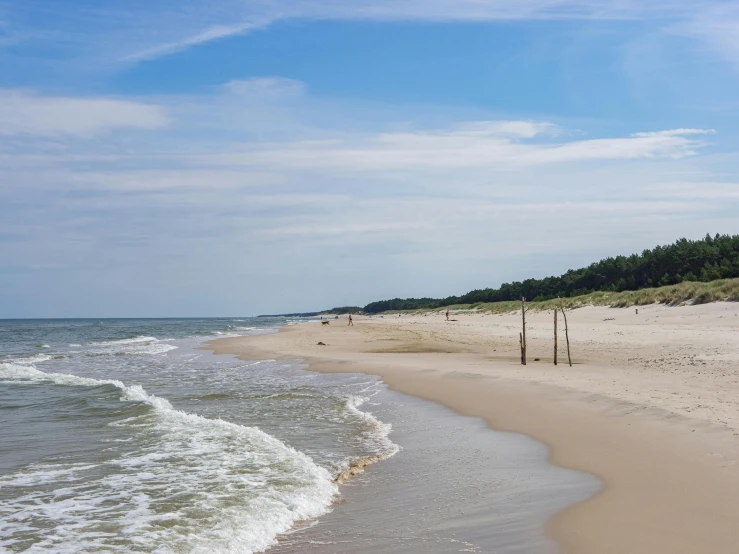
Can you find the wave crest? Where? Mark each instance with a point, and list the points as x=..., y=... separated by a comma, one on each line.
x=253, y=485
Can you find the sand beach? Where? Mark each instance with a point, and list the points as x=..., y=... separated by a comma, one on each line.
x=650, y=406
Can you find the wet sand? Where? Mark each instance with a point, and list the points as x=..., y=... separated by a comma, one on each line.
x=651, y=407
x=455, y=486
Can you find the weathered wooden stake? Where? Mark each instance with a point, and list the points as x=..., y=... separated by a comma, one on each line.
x=567, y=331
x=523, y=334
x=520, y=341
x=555, y=336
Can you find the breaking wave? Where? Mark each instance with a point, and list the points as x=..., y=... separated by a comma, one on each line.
x=192, y=484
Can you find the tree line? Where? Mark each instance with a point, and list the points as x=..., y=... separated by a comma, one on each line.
x=333, y=311
x=707, y=259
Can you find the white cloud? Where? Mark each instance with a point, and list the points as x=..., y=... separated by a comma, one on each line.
x=513, y=129
x=323, y=228
x=265, y=86
x=424, y=210
x=485, y=144
x=717, y=26
x=181, y=179
x=490, y=10
x=167, y=27
x=26, y=113
x=673, y=144
x=210, y=34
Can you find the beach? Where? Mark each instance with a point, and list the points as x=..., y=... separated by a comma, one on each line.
x=650, y=406
x=454, y=486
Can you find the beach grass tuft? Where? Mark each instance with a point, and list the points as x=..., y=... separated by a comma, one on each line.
x=687, y=292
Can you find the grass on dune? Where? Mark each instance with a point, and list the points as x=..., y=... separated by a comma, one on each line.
x=689, y=292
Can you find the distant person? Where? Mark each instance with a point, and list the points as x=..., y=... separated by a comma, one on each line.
x=447, y=315
x=350, y=320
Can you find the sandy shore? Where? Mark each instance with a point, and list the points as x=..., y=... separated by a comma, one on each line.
x=651, y=406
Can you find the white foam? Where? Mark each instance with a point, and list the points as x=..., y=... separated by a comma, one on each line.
x=133, y=340
x=255, y=330
x=239, y=331
x=42, y=473
x=222, y=335
x=135, y=345
x=35, y=359
x=377, y=436
x=244, y=487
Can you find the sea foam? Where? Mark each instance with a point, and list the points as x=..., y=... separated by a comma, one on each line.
x=192, y=485
x=134, y=345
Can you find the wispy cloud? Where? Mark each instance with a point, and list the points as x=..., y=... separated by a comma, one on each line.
x=512, y=129
x=167, y=27
x=160, y=203
x=259, y=15
x=492, y=10
x=717, y=27
x=210, y=34
x=209, y=132
x=485, y=144
x=265, y=86
x=26, y=113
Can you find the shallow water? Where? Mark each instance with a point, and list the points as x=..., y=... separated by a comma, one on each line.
x=119, y=439
x=124, y=436
x=456, y=486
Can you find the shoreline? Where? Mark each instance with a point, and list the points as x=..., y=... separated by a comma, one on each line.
x=670, y=480
x=455, y=486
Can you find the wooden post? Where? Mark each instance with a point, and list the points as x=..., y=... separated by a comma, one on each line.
x=520, y=341
x=555, y=336
x=567, y=331
x=523, y=333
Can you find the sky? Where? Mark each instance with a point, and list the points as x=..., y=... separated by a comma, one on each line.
x=238, y=157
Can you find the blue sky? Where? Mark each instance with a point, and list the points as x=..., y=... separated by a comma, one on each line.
x=236, y=157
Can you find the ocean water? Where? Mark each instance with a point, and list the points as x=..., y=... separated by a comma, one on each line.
x=124, y=436
x=456, y=486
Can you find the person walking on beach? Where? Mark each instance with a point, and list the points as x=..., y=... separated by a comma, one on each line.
x=350, y=320
x=447, y=315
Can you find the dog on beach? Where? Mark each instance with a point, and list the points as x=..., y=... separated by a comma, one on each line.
x=325, y=323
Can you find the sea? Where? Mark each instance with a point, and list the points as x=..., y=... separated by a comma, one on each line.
x=124, y=435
